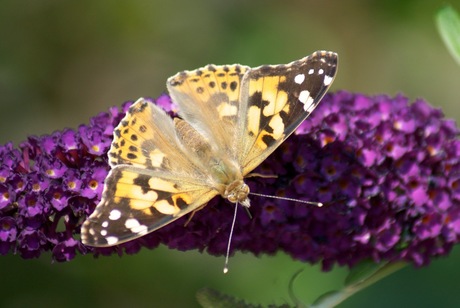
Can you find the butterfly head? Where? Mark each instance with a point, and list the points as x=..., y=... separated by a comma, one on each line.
x=237, y=192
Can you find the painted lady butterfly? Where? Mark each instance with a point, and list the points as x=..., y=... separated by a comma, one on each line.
x=232, y=117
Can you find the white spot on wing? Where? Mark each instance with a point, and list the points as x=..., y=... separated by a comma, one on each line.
x=141, y=230
x=299, y=78
x=310, y=105
x=111, y=240
x=132, y=223
x=321, y=71
x=114, y=215
x=306, y=100
x=311, y=71
x=135, y=226
x=327, y=80
x=105, y=224
x=227, y=110
x=303, y=96
x=103, y=232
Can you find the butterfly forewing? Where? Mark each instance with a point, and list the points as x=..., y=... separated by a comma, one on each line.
x=137, y=201
x=276, y=99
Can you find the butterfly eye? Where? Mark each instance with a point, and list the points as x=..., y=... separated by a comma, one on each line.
x=232, y=198
x=243, y=192
x=237, y=192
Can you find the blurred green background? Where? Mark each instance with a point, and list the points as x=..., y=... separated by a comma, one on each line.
x=62, y=62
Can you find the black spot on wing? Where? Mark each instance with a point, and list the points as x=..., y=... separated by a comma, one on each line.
x=139, y=107
x=181, y=203
x=142, y=181
x=268, y=140
x=131, y=156
x=256, y=100
x=233, y=85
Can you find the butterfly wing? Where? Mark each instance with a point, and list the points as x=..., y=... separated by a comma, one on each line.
x=137, y=201
x=154, y=178
x=275, y=99
x=208, y=100
x=147, y=138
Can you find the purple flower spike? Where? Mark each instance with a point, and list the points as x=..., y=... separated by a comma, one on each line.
x=386, y=171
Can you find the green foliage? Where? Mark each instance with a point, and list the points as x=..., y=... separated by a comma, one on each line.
x=448, y=23
x=209, y=298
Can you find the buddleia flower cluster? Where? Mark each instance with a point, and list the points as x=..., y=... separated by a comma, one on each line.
x=386, y=170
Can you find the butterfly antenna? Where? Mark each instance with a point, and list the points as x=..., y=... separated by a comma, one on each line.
x=230, y=239
x=318, y=204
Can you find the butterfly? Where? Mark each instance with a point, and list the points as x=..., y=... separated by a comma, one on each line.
x=231, y=118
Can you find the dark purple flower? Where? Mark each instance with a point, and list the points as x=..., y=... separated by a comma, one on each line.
x=67, y=249
x=8, y=234
x=388, y=173
x=31, y=242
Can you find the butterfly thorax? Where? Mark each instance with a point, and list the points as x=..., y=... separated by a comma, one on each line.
x=228, y=181
x=224, y=173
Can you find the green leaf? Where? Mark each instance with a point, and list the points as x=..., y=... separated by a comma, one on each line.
x=362, y=276
x=448, y=23
x=212, y=298
x=362, y=271
x=209, y=298
x=298, y=303
x=329, y=299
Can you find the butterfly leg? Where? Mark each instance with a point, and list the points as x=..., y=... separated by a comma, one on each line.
x=265, y=176
x=193, y=214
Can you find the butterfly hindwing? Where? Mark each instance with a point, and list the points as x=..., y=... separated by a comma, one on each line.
x=275, y=100
x=137, y=201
